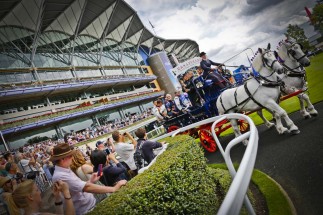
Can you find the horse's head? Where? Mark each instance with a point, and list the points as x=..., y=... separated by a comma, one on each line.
x=269, y=60
x=295, y=51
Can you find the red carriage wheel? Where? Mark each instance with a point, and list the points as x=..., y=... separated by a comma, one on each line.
x=172, y=128
x=207, y=140
x=243, y=126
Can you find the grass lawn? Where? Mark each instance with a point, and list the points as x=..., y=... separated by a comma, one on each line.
x=277, y=201
x=315, y=86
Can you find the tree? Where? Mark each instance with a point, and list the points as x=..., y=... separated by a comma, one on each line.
x=297, y=33
x=317, y=17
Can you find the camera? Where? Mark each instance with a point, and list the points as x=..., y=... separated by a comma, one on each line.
x=107, y=150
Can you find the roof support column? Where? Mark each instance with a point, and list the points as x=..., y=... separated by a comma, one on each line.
x=37, y=33
x=36, y=75
x=59, y=132
x=102, y=39
x=4, y=142
x=74, y=73
x=102, y=72
x=76, y=33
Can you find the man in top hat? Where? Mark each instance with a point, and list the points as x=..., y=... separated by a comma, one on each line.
x=81, y=191
x=208, y=72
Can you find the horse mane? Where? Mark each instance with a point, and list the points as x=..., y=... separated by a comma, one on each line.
x=282, y=49
x=257, y=61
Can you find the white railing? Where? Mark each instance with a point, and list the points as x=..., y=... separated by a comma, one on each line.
x=156, y=132
x=236, y=195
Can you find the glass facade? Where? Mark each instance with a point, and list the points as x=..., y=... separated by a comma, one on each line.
x=19, y=139
x=131, y=110
x=16, y=77
x=76, y=125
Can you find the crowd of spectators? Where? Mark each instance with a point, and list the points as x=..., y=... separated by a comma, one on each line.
x=79, y=178
x=107, y=127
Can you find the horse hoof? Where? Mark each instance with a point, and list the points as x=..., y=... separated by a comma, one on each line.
x=307, y=116
x=284, y=132
x=314, y=114
x=294, y=132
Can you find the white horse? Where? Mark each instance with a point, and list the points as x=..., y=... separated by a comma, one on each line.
x=293, y=59
x=258, y=92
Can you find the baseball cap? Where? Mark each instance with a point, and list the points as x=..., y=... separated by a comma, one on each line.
x=99, y=143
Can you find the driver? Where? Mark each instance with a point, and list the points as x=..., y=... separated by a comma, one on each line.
x=209, y=73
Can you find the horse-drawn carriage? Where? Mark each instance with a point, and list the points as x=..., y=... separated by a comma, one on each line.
x=248, y=94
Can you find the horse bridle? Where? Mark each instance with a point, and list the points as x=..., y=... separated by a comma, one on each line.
x=293, y=52
x=265, y=63
x=269, y=82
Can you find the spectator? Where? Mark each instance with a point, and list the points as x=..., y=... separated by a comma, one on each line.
x=125, y=150
x=80, y=167
x=3, y=172
x=81, y=191
x=8, y=157
x=182, y=101
x=190, y=88
x=100, y=145
x=7, y=186
x=26, y=164
x=110, y=144
x=159, y=110
x=171, y=108
x=28, y=197
x=13, y=172
x=147, y=146
x=111, y=174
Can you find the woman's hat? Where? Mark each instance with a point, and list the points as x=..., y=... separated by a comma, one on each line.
x=202, y=54
x=61, y=151
x=3, y=180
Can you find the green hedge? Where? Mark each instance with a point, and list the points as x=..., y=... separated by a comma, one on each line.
x=178, y=183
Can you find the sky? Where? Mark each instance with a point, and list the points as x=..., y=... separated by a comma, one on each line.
x=223, y=28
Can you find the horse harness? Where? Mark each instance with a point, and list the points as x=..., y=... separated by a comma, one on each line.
x=263, y=81
x=292, y=52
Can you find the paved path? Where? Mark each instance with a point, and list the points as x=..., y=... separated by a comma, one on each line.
x=295, y=162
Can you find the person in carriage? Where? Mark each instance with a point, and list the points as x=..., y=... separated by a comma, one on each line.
x=172, y=110
x=213, y=83
x=190, y=89
x=182, y=102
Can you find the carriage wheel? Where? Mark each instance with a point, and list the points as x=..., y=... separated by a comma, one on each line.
x=207, y=140
x=172, y=128
x=243, y=126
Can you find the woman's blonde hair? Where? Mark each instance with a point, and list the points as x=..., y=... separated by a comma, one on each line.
x=78, y=160
x=18, y=199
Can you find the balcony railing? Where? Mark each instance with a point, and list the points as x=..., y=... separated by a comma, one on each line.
x=12, y=90
x=73, y=113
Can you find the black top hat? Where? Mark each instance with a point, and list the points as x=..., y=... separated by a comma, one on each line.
x=202, y=54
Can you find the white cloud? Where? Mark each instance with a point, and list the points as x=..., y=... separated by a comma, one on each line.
x=223, y=28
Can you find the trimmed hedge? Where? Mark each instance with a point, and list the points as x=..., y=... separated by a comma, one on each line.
x=178, y=183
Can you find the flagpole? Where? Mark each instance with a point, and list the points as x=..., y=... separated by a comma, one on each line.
x=153, y=27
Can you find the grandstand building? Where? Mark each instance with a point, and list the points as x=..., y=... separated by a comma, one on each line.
x=68, y=64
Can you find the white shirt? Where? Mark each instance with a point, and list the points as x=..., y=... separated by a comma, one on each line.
x=25, y=168
x=126, y=151
x=83, y=201
x=156, y=113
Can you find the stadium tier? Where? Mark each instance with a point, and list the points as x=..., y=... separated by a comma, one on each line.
x=67, y=66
